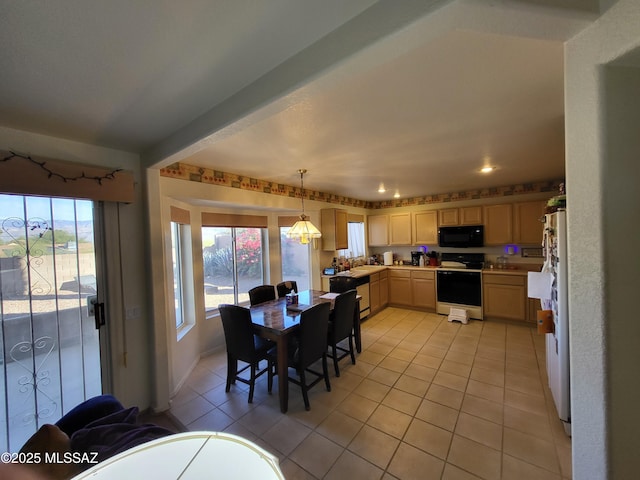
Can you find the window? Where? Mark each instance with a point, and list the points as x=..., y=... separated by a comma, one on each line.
x=356, y=241
x=295, y=260
x=178, y=283
x=233, y=263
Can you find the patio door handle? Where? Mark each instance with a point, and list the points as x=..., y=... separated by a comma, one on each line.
x=96, y=309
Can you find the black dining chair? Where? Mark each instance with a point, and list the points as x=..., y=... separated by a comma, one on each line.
x=341, y=328
x=244, y=346
x=261, y=294
x=309, y=346
x=285, y=287
x=342, y=284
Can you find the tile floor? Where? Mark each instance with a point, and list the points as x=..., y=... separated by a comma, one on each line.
x=427, y=399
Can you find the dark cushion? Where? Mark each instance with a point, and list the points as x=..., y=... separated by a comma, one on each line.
x=50, y=439
x=87, y=412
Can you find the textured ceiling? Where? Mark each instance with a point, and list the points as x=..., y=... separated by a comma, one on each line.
x=417, y=95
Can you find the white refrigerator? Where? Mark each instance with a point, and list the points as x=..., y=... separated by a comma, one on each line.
x=555, y=298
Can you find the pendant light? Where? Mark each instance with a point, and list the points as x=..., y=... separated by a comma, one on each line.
x=303, y=230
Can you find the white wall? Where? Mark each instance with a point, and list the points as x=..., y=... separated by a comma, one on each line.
x=602, y=114
x=126, y=222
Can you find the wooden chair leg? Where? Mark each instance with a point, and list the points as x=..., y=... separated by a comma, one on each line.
x=325, y=370
x=270, y=366
x=334, y=350
x=303, y=386
x=252, y=382
x=232, y=368
x=353, y=356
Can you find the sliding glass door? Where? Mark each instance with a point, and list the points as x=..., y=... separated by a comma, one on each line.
x=49, y=345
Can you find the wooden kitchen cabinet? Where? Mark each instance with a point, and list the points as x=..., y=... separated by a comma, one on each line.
x=423, y=289
x=333, y=225
x=378, y=230
x=400, y=229
x=451, y=217
x=374, y=293
x=400, y=287
x=527, y=227
x=384, y=289
x=498, y=224
x=505, y=296
x=425, y=227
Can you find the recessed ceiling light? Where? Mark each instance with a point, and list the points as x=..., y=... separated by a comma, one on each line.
x=487, y=169
x=381, y=188
x=396, y=195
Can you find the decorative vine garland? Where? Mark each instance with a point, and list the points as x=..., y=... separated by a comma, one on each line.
x=51, y=173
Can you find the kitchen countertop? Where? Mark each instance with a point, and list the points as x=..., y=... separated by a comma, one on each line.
x=364, y=270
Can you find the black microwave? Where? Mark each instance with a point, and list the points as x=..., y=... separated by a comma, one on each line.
x=461, y=237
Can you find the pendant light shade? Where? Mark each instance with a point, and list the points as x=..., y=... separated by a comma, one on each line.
x=303, y=230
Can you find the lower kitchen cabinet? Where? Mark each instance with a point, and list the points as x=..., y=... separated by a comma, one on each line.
x=423, y=289
x=384, y=289
x=374, y=292
x=400, y=287
x=505, y=296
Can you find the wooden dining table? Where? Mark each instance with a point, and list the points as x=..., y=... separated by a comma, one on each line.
x=276, y=321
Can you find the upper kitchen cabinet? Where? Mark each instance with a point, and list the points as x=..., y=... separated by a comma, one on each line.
x=460, y=216
x=400, y=229
x=498, y=224
x=378, y=230
x=527, y=225
x=425, y=227
x=334, y=229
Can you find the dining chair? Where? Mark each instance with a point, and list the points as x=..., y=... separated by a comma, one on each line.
x=309, y=346
x=285, y=287
x=261, y=293
x=243, y=345
x=341, y=328
x=342, y=284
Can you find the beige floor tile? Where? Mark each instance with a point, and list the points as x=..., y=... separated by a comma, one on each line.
x=394, y=364
x=260, y=419
x=402, y=354
x=475, y=458
x=451, y=472
x=522, y=401
x=449, y=380
x=413, y=385
x=515, y=468
x=528, y=385
x=427, y=360
x=368, y=356
x=390, y=421
x=525, y=422
x=437, y=414
x=531, y=449
x=286, y=435
x=347, y=380
x=489, y=364
x=485, y=390
x=428, y=437
x=293, y=471
x=351, y=466
x=421, y=372
x=434, y=351
x=492, y=411
x=357, y=406
x=380, y=348
x=402, y=401
x=215, y=420
x=372, y=390
x=491, y=353
x=316, y=454
x=480, y=430
x=410, y=463
x=460, y=357
x=445, y=396
x=340, y=428
x=191, y=410
x=456, y=368
x=384, y=376
x=375, y=446
x=488, y=375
